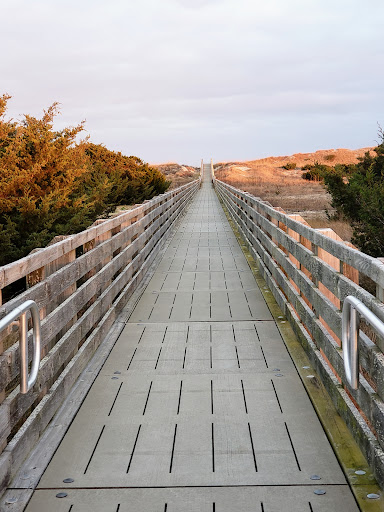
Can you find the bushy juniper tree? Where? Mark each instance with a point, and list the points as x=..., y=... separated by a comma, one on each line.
x=360, y=198
x=52, y=183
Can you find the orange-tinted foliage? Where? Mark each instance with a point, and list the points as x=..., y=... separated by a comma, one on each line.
x=51, y=183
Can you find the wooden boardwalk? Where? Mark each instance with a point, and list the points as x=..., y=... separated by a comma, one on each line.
x=199, y=406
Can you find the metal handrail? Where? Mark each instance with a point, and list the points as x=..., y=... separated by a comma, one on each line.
x=26, y=381
x=353, y=309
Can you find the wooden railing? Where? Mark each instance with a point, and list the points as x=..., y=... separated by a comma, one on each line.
x=80, y=284
x=310, y=275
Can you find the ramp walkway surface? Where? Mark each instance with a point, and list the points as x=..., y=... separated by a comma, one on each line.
x=199, y=406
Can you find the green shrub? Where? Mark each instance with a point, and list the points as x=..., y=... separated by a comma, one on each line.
x=360, y=198
x=289, y=166
x=316, y=172
x=52, y=184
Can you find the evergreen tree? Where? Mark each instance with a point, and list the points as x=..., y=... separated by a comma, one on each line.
x=360, y=198
x=52, y=184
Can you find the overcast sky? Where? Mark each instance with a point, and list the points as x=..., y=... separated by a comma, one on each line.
x=181, y=80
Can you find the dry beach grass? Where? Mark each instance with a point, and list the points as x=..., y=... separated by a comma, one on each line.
x=268, y=179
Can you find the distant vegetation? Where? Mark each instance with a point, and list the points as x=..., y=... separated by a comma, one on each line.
x=53, y=184
x=317, y=171
x=358, y=194
x=289, y=166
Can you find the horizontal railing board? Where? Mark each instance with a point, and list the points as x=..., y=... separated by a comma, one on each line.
x=372, y=357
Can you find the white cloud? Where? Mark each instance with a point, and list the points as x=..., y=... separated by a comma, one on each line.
x=193, y=77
